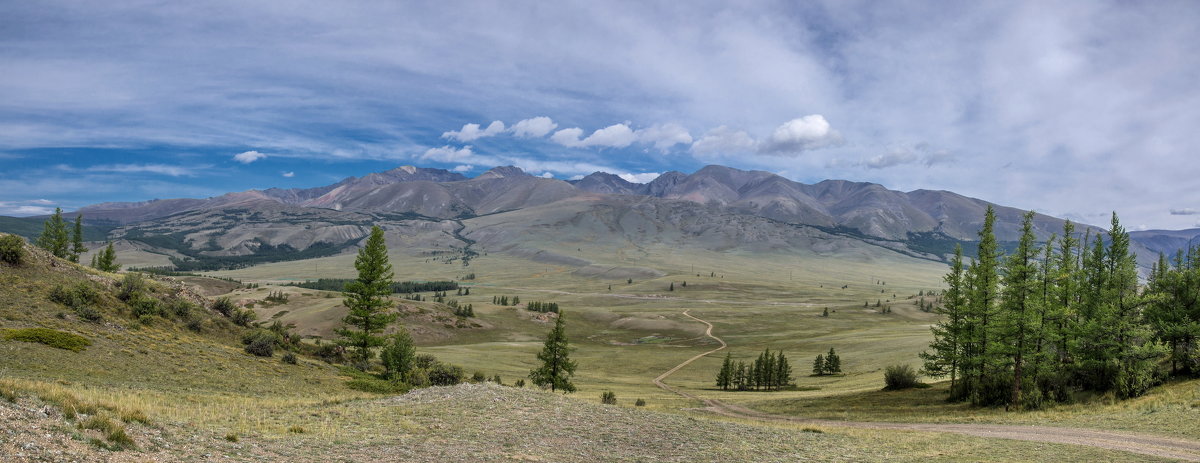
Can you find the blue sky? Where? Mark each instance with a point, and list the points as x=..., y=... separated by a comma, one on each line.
x=1075, y=109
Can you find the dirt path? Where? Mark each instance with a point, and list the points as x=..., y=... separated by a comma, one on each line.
x=1143, y=444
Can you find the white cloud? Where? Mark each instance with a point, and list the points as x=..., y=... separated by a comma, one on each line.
x=802, y=134
x=472, y=132
x=664, y=136
x=289, y=174
x=463, y=168
x=613, y=136
x=645, y=177
x=723, y=140
x=576, y=177
x=892, y=159
x=42, y=202
x=547, y=175
x=568, y=137
x=162, y=169
x=1184, y=211
x=536, y=127
x=25, y=208
x=938, y=157
x=449, y=154
x=248, y=157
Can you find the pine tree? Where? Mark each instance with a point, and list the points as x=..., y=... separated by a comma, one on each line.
x=984, y=293
x=819, y=365
x=672, y=287
x=106, y=259
x=557, y=368
x=54, y=237
x=783, y=372
x=367, y=299
x=833, y=363
x=725, y=376
x=398, y=355
x=77, y=247
x=947, y=334
x=1016, y=317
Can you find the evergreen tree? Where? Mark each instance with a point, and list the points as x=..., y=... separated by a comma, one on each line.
x=557, y=367
x=725, y=376
x=54, y=237
x=672, y=287
x=367, y=299
x=398, y=355
x=106, y=259
x=77, y=247
x=946, y=347
x=984, y=284
x=783, y=372
x=819, y=365
x=1019, y=306
x=833, y=363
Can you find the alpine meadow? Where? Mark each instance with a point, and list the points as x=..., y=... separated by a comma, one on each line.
x=601, y=232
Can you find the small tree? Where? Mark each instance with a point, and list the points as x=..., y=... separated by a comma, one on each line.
x=819, y=365
x=608, y=398
x=398, y=355
x=54, y=235
x=557, y=368
x=725, y=376
x=77, y=247
x=672, y=287
x=833, y=363
x=897, y=377
x=106, y=260
x=367, y=298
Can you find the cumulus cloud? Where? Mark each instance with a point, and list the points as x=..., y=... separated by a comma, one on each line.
x=289, y=174
x=645, y=177
x=448, y=154
x=536, y=127
x=472, y=132
x=723, y=140
x=25, y=208
x=1184, y=211
x=802, y=134
x=248, y=157
x=614, y=136
x=664, y=136
x=463, y=168
x=576, y=177
x=568, y=137
x=547, y=175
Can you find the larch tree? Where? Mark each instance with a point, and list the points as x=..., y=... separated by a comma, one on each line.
x=946, y=349
x=557, y=367
x=367, y=299
x=54, y=237
x=77, y=247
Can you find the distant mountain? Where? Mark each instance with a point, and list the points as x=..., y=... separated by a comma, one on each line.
x=283, y=222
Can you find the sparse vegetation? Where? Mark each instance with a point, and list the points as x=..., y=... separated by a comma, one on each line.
x=53, y=338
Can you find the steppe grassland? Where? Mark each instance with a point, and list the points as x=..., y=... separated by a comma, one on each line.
x=627, y=336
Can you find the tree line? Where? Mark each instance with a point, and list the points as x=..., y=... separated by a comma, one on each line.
x=770, y=372
x=1042, y=322
x=69, y=244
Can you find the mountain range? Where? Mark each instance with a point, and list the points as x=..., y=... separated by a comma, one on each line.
x=715, y=208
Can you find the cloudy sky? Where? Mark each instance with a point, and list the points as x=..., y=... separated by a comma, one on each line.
x=1074, y=109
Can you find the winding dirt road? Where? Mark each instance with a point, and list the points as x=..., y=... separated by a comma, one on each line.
x=1144, y=444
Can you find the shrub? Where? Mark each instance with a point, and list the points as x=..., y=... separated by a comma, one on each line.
x=231, y=437
x=131, y=285
x=478, y=377
x=88, y=313
x=520, y=383
x=144, y=306
x=261, y=343
x=446, y=375
x=289, y=358
x=417, y=377
x=243, y=317
x=112, y=431
x=182, y=308
x=640, y=403
x=296, y=429
x=195, y=324
x=608, y=398
x=377, y=386
x=49, y=337
x=426, y=361
x=12, y=250
x=896, y=377
x=223, y=306
x=331, y=353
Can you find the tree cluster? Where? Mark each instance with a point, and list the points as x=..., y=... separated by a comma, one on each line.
x=828, y=364
x=1033, y=326
x=505, y=300
x=542, y=307
x=770, y=371
x=1174, y=309
x=56, y=239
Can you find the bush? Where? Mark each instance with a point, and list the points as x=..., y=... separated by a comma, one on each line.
x=243, y=317
x=331, y=353
x=478, y=377
x=49, y=337
x=417, y=377
x=12, y=250
x=519, y=383
x=132, y=285
x=223, y=306
x=144, y=306
x=446, y=375
x=182, y=309
x=896, y=377
x=261, y=343
x=289, y=358
x=640, y=403
x=426, y=361
x=377, y=386
x=608, y=398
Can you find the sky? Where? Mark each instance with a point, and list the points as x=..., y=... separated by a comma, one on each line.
x=1073, y=109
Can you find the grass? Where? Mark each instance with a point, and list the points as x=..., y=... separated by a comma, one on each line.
x=49, y=337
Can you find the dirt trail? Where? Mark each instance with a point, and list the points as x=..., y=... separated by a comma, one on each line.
x=1158, y=446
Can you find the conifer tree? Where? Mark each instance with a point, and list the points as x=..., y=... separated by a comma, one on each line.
x=984, y=293
x=725, y=376
x=367, y=299
x=557, y=367
x=54, y=237
x=77, y=247
x=106, y=259
x=819, y=365
x=783, y=372
x=946, y=347
x=833, y=363
x=1019, y=306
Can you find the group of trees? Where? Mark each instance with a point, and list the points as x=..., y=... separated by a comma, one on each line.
x=770, y=371
x=828, y=364
x=504, y=300
x=1174, y=309
x=542, y=307
x=1033, y=326
x=69, y=244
